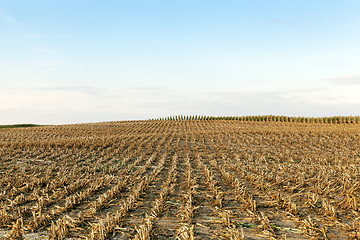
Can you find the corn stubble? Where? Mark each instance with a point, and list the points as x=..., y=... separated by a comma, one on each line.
x=183, y=178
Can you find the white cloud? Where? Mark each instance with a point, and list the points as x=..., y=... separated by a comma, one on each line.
x=345, y=80
x=59, y=105
x=76, y=89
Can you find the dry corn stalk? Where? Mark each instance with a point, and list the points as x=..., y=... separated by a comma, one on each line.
x=225, y=218
x=265, y=222
x=17, y=231
x=144, y=231
x=234, y=234
x=4, y=217
x=185, y=232
x=105, y=228
x=60, y=229
x=312, y=227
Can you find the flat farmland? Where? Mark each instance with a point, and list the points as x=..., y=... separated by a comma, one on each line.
x=190, y=179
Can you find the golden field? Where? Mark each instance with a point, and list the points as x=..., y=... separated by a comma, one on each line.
x=181, y=179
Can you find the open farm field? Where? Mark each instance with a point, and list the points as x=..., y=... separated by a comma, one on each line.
x=185, y=179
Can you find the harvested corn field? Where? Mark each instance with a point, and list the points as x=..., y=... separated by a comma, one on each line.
x=189, y=179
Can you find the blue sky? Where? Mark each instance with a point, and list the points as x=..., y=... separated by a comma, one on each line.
x=88, y=61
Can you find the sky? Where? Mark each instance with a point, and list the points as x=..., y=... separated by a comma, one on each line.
x=65, y=61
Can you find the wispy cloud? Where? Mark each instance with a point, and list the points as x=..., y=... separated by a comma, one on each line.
x=6, y=17
x=78, y=89
x=150, y=89
x=345, y=80
x=66, y=104
x=43, y=50
x=277, y=21
x=279, y=92
x=54, y=35
x=307, y=90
